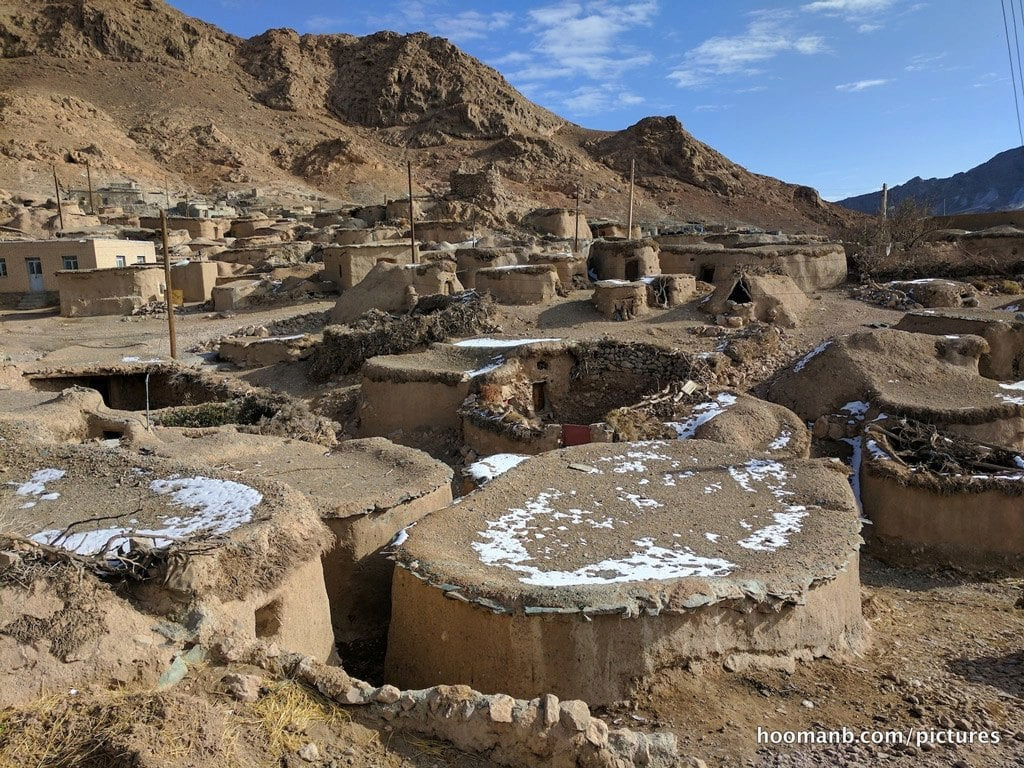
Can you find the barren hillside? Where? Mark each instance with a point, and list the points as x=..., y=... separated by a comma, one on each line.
x=147, y=93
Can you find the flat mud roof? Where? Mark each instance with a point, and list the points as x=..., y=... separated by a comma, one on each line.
x=628, y=526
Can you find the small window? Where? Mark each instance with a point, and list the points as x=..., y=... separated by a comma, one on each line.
x=70, y=262
x=119, y=261
x=3, y=267
x=140, y=259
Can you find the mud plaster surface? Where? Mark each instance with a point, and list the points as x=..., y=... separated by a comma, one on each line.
x=603, y=524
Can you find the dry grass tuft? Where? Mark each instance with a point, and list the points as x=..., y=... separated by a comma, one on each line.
x=288, y=710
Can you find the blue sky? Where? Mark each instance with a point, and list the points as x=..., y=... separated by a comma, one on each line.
x=840, y=95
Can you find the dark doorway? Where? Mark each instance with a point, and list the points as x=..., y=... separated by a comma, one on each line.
x=740, y=294
x=707, y=273
x=633, y=269
x=540, y=396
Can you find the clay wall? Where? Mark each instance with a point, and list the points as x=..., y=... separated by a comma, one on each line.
x=86, y=293
x=599, y=660
x=347, y=265
x=387, y=407
x=532, y=284
x=970, y=530
x=196, y=279
x=624, y=259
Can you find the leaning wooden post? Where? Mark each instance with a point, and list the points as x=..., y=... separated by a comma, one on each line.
x=576, y=237
x=167, y=287
x=629, y=225
x=88, y=177
x=56, y=186
x=412, y=216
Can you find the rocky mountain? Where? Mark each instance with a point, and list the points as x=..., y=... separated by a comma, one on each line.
x=995, y=185
x=146, y=93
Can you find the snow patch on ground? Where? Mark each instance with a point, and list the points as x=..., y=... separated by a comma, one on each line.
x=36, y=485
x=781, y=441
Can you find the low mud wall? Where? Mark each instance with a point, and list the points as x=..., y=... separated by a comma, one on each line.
x=599, y=657
x=977, y=529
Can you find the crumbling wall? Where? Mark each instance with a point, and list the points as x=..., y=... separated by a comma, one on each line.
x=512, y=732
x=559, y=222
x=620, y=300
x=434, y=319
x=395, y=288
x=470, y=260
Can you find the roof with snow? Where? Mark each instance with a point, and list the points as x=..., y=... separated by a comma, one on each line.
x=667, y=525
x=90, y=500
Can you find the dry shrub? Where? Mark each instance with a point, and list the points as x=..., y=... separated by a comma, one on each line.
x=116, y=730
x=287, y=711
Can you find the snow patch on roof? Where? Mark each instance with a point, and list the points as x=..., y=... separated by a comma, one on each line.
x=803, y=361
x=701, y=414
x=490, y=467
x=220, y=506
x=489, y=342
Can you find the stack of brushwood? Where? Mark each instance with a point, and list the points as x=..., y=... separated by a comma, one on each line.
x=924, y=446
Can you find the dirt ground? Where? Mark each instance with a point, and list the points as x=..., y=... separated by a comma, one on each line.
x=945, y=659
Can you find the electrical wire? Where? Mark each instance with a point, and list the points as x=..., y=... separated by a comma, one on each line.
x=1013, y=76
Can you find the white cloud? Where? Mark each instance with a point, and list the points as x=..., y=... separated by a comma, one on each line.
x=583, y=39
x=847, y=7
x=764, y=39
x=430, y=16
x=470, y=25
x=923, y=62
x=712, y=107
x=866, y=14
x=860, y=85
x=595, y=99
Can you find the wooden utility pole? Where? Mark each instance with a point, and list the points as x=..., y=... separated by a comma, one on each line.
x=88, y=178
x=56, y=186
x=576, y=237
x=885, y=201
x=412, y=216
x=167, y=195
x=167, y=287
x=632, y=174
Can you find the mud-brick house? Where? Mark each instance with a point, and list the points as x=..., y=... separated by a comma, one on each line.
x=30, y=266
x=624, y=259
x=118, y=291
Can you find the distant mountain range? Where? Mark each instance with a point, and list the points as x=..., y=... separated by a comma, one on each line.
x=995, y=185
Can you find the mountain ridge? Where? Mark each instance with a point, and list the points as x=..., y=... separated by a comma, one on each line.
x=994, y=185
x=143, y=91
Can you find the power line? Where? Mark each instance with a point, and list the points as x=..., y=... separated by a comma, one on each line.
x=1013, y=76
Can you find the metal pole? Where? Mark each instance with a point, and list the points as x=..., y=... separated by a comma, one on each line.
x=632, y=172
x=88, y=177
x=412, y=216
x=885, y=201
x=56, y=186
x=576, y=237
x=167, y=287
